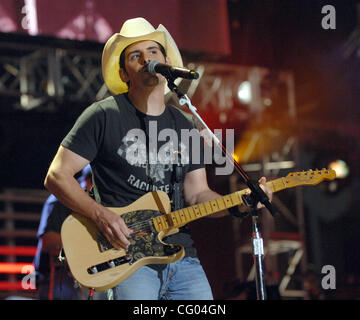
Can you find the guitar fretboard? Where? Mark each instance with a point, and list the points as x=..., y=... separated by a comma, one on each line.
x=179, y=218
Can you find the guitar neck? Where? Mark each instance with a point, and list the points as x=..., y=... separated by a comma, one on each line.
x=181, y=217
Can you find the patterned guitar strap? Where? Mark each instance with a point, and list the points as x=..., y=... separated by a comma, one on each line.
x=177, y=172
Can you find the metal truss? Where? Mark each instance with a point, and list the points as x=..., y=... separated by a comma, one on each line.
x=46, y=77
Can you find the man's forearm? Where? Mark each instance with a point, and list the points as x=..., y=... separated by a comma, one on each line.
x=69, y=192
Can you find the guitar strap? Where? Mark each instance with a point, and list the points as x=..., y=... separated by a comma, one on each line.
x=178, y=171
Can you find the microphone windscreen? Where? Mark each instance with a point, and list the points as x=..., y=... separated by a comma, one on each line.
x=151, y=66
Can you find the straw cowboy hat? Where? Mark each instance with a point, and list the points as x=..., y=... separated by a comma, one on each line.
x=134, y=30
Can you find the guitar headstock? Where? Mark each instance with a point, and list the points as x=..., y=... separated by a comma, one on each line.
x=311, y=177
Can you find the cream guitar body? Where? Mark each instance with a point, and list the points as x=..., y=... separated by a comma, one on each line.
x=94, y=263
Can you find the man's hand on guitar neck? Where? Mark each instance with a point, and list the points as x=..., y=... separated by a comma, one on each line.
x=262, y=183
x=267, y=190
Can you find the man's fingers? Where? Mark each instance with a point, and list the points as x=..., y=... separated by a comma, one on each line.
x=118, y=233
x=262, y=180
x=121, y=237
x=112, y=239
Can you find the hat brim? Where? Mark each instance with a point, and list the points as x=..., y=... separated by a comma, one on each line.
x=117, y=43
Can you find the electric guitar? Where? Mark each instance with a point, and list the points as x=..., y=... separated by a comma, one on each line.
x=96, y=264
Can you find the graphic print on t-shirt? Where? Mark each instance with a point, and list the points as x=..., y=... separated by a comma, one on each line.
x=157, y=164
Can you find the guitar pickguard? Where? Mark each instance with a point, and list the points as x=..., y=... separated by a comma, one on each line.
x=145, y=241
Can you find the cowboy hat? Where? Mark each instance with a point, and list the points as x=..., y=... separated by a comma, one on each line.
x=134, y=30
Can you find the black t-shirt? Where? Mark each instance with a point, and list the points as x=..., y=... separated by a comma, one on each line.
x=114, y=136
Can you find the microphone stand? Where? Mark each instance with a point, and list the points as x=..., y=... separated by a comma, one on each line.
x=256, y=196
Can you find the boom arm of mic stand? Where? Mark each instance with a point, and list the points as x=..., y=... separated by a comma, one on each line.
x=257, y=193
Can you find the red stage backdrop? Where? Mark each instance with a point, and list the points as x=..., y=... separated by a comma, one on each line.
x=200, y=26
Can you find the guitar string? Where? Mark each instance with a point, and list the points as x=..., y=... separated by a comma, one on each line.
x=145, y=225
x=135, y=225
x=138, y=225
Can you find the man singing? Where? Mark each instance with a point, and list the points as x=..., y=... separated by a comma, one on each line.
x=124, y=169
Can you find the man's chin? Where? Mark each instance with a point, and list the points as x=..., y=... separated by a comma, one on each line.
x=152, y=81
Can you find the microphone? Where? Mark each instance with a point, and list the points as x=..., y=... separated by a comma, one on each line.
x=171, y=72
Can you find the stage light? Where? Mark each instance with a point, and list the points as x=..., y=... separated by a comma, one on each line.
x=15, y=267
x=340, y=167
x=244, y=92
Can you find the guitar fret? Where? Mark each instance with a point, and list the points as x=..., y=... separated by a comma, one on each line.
x=156, y=224
x=221, y=203
x=173, y=217
x=181, y=216
x=196, y=211
x=274, y=188
x=214, y=205
x=283, y=180
x=187, y=215
x=202, y=209
x=191, y=213
x=184, y=215
x=228, y=201
x=164, y=222
x=235, y=198
x=160, y=223
x=208, y=208
x=178, y=217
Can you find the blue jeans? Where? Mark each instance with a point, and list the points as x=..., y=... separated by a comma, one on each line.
x=181, y=280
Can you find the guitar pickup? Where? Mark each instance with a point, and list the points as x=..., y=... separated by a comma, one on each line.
x=108, y=264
